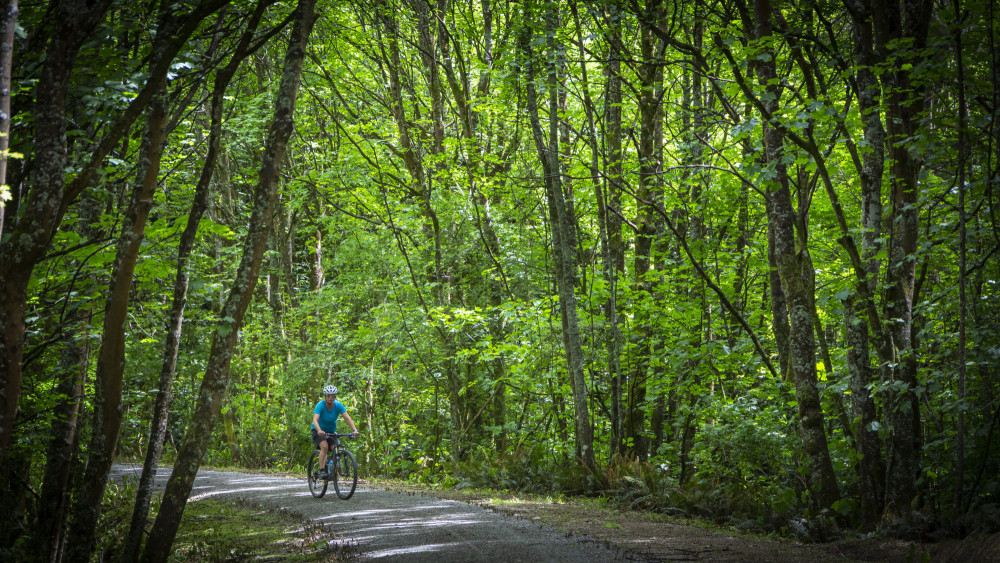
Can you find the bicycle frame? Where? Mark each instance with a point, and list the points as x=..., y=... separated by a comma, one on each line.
x=344, y=472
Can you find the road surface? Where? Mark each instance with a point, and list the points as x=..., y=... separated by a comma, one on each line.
x=389, y=526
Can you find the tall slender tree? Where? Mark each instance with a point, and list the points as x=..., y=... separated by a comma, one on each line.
x=8, y=11
x=158, y=425
x=47, y=195
x=217, y=372
x=562, y=222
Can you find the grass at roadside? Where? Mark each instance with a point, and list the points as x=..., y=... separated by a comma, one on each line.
x=216, y=531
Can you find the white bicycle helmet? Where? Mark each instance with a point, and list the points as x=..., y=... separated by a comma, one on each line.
x=330, y=390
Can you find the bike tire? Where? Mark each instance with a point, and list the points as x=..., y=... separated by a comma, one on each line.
x=317, y=485
x=347, y=473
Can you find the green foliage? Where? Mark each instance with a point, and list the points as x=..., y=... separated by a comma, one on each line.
x=743, y=472
x=116, y=515
x=638, y=485
x=526, y=469
x=409, y=261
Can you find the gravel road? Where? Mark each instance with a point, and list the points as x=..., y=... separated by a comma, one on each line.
x=391, y=526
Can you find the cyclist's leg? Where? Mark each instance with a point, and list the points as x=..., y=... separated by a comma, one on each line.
x=324, y=447
x=321, y=444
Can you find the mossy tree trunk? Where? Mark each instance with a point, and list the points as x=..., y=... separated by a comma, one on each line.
x=562, y=222
x=216, y=377
x=168, y=367
x=794, y=270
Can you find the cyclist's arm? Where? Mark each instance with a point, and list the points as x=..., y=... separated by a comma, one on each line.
x=350, y=423
x=316, y=424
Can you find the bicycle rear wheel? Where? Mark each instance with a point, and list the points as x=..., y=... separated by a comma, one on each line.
x=317, y=485
x=345, y=480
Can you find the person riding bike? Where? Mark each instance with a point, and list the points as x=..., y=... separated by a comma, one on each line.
x=325, y=422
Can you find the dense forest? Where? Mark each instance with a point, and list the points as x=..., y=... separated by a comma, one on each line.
x=729, y=258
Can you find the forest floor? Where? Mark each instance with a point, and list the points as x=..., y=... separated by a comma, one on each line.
x=659, y=537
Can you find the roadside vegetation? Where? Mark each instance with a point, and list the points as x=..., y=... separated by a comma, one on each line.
x=230, y=531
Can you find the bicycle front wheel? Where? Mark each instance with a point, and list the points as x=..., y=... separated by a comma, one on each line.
x=317, y=485
x=345, y=480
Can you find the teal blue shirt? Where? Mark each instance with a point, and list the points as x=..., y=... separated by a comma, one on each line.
x=328, y=417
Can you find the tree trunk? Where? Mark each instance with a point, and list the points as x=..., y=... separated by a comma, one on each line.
x=8, y=11
x=871, y=466
x=562, y=231
x=649, y=223
x=778, y=303
x=693, y=106
x=611, y=335
x=958, y=510
x=610, y=205
x=217, y=372
x=164, y=396
x=111, y=357
x=892, y=21
x=55, y=495
x=793, y=270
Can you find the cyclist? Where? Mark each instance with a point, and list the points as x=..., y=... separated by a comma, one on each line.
x=325, y=422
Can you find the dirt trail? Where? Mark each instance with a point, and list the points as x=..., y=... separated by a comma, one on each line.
x=397, y=526
x=414, y=524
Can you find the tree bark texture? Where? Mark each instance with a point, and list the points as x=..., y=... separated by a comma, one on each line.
x=958, y=508
x=8, y=23
x=55, y=497
x=793, y=270
x=648, y=222
x=871, y=466
x=892, y=21
x=562, y=225
x=611, y=334
x=216, y=376
x=164, y=397
x=109, y=377
x=610, y=204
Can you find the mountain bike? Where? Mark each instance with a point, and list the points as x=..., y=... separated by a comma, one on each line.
x=340, y=468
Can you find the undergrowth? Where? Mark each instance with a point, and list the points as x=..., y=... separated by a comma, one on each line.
x=745, y=495
x=750, y=504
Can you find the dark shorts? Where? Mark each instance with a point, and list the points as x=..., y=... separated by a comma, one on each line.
x=317, y=438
